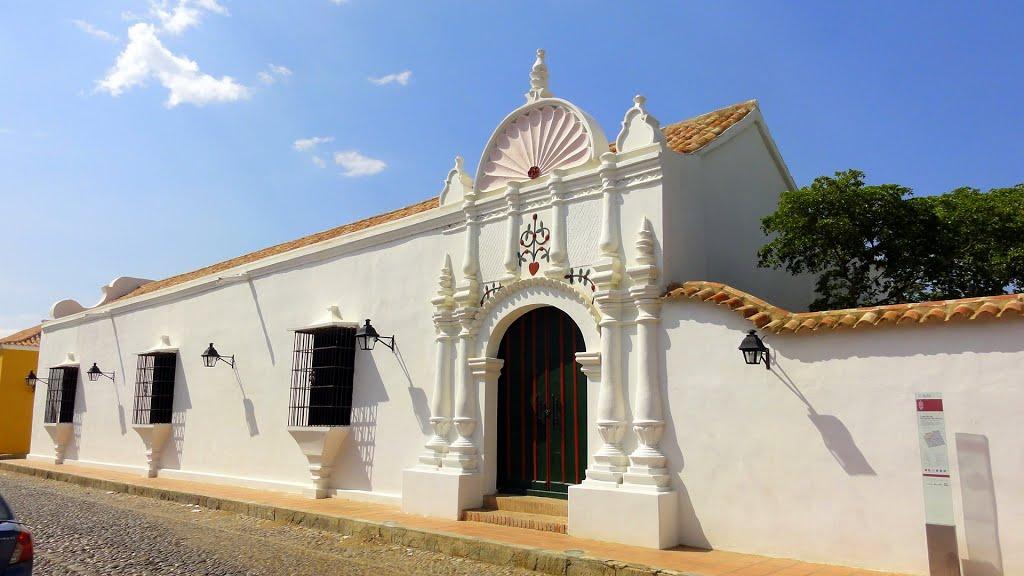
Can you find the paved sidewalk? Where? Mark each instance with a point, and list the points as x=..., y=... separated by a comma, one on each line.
x=542, y=551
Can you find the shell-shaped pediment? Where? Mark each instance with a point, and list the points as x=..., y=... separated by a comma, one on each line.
x=535, y=141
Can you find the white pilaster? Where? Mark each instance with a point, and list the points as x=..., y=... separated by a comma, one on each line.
x=467, y=294
x=512, y=218
x=559, y=257
x=608, y=268
x=610, y=461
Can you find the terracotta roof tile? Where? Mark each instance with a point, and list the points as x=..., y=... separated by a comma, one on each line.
x=363, y=224
x=780, y=320
x=684, y=137
x=693, y=134
x=26, y=337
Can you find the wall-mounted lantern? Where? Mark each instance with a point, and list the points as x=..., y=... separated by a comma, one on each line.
x=367, y=336
x=754, y=350
x=94, y=373
x=32, y=379
x=211, y=356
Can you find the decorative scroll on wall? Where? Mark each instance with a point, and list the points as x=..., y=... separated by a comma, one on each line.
x=533, y=243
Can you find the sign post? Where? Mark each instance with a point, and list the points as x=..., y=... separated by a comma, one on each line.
x=940, y=525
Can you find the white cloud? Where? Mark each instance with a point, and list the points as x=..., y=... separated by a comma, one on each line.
x=91, y=30
x=306, y=144
x=399, y=78
x=339, y=2
x=273, y=73
x=146, y=57
x=355, y=164
x=319, y=162
x=6, y=131
x=184, y=14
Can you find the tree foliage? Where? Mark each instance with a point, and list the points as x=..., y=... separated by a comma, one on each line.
x=871, y=245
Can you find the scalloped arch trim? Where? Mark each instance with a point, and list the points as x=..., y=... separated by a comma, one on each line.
x=498, y=309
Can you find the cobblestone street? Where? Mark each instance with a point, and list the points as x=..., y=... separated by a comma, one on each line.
x=82, y=531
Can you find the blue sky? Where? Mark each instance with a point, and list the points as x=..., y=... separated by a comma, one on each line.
x=148, y=139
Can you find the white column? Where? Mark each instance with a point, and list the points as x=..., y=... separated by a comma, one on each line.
x=512, y=267
x=559, y=256
x=647, y=464
x=441, y=402
x=610, y=461
x=462, y=454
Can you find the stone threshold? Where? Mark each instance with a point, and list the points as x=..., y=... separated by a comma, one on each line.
x=500, y=545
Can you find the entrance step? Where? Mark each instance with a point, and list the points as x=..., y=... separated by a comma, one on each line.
x=530, y=512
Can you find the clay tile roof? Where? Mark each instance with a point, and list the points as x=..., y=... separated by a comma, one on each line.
x=780, y=320
x=363, y=224
x=26, y=337
x=693, y=134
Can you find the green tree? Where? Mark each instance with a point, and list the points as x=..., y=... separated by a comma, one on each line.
x=870, y=245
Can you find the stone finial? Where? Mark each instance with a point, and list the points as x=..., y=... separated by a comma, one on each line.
x=446, y=279
x=538, y=79
x=645, y=244
x=639, y=128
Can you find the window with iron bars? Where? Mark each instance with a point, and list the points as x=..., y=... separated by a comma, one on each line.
x=60, y=395
x=154, y=388
x=322, y=370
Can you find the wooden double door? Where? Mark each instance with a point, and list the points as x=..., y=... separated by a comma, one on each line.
x=542, y=406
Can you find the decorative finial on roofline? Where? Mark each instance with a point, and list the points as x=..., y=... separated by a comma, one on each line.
x=538, y=79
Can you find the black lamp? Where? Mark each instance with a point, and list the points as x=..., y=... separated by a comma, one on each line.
x=32, y=379
x=367, y=336
x=754, y=350
x=94, y=373
x=211, y=356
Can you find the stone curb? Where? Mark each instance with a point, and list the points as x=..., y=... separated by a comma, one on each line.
x=541, y=560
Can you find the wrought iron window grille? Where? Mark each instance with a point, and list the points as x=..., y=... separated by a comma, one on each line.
x=61, y=388
x=323, y=367
x=154, y=388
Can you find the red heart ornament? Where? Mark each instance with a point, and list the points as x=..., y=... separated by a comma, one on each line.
x=534, y=266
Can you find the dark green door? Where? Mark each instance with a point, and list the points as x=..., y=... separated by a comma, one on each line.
x=542, y=406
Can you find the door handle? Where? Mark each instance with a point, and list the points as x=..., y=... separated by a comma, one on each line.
x=556, y=413
x=541, y=409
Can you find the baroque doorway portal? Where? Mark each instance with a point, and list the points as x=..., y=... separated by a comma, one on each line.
x=542, y=406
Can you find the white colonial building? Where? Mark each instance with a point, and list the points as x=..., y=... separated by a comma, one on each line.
x=565, y=323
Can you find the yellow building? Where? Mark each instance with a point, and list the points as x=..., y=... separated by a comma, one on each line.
x=19, y=353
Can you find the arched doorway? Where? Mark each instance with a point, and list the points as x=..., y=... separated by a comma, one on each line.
x=542, y=403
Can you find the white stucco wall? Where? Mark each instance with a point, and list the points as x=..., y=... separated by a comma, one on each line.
x=818, y=458
x=230, y=425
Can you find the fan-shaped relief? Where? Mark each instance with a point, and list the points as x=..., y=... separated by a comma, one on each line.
x=542, y=139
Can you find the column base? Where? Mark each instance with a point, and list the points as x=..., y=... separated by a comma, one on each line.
x=440, y=493
x=647, y=519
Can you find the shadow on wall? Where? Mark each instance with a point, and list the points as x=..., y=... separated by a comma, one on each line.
x=247, y=405
x=124, y=374
x=691, y=533
x=418, y=397
x=263, y=323
x=836, y=436
x=75, y=443
x=978, y=495
x=182, y=403
x=354, y=470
